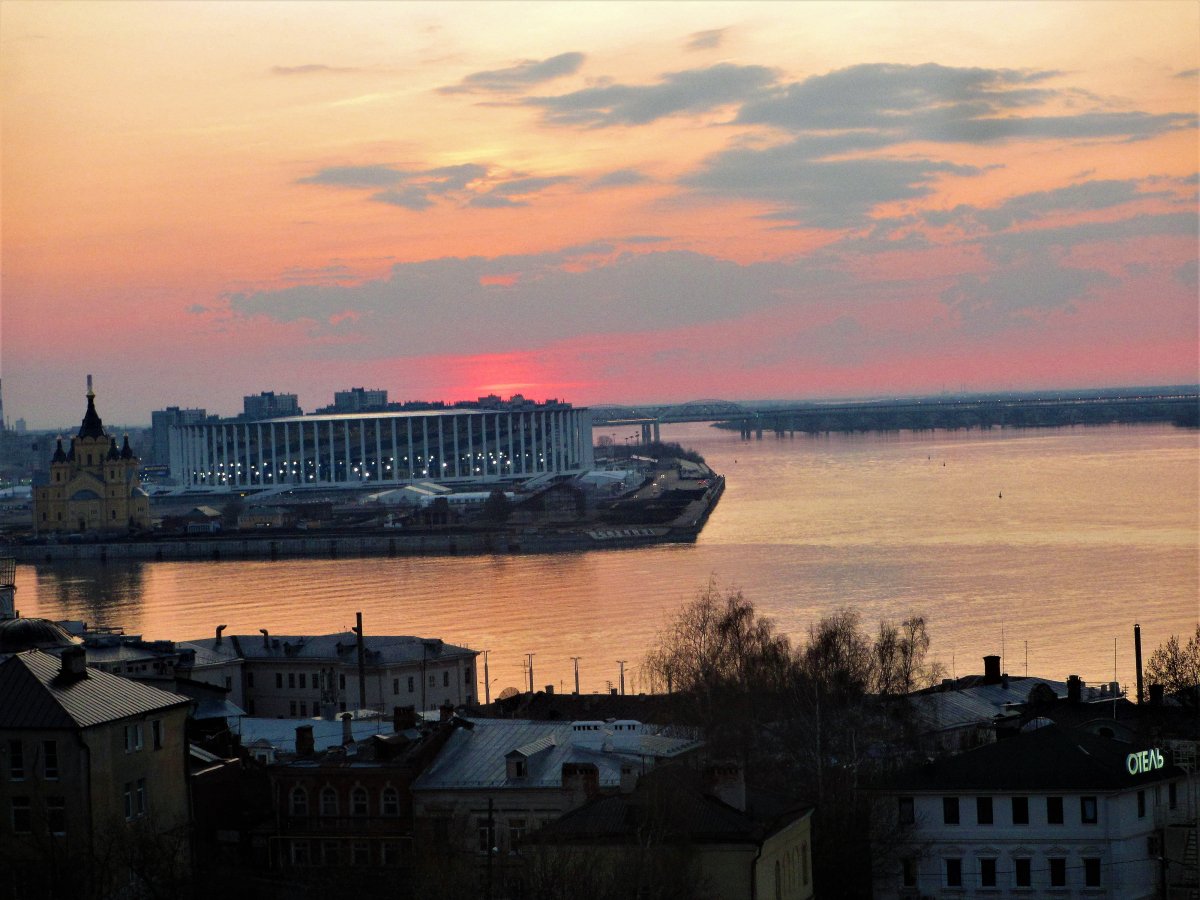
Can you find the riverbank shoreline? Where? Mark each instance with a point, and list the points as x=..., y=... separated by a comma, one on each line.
x=346, y=544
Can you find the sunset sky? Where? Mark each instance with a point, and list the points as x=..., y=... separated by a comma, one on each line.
x=602, y=202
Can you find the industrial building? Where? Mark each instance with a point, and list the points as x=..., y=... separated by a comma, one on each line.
x=322, y=451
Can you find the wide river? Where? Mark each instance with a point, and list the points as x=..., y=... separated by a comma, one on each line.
x=1046, y=545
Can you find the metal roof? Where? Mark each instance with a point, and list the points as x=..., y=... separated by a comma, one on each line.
x=32, y=695
x=474, y=757
x=381, y=650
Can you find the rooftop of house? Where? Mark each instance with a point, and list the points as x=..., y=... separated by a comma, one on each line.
x=477, y=756
x=381, y=650
x=1046, y=759
x=671, y=804
x=37, y=692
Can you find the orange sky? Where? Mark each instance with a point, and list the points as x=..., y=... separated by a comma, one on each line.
x=598, y=201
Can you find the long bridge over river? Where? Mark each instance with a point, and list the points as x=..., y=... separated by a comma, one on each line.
x=1180, y=406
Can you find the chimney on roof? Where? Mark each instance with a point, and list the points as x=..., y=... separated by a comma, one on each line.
x=305, y=746
x=726, y=782
x=404, y=718
x=991, y=669
x=1074, y=689
x=220, y=628
x=347, y=731
x=74, y=664
x=1004, y=681
x=550, y=690
x=1137, y=658
x=266, y=638
x=582, y=780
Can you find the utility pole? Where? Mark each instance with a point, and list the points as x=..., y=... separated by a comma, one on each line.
x=621, y=662
x=487, y=686
x=529, y=663
x=576, y=659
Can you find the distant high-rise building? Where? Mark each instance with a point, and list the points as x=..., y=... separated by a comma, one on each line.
x=359, y=400
x=161, y=423
x=270, y=405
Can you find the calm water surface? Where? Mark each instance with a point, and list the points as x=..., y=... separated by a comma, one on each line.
x=1046, y=545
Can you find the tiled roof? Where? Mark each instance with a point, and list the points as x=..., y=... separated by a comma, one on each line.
x=1047, y=759
x=381, y=650
x=32, y=695
x=474, y=757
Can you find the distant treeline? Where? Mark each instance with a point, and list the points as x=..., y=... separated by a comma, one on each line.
x=1183, y=411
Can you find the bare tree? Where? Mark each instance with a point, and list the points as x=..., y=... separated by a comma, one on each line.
x=1177, y=668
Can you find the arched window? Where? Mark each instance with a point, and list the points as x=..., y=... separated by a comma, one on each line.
x=358, y=801
x=329, y=801
x=390, y=805
x=298, y=801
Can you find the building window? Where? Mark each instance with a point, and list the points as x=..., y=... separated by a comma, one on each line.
x=1023, y=871
x=983, y=810
x=298, y=801
x=908, y=872
x=1054, y=810
x=953, y=872
x=133, y=737
x=1020, y=810
x=303, y=707
x=516, y=833
x=987, y=872
x=229, y=682
x=22, y=820
x=128, y=797
x=358, y=801
x=291, y=707
x=50, y=760
x=485, y=837
x=1091, y=871
x=389, y=853
x=432, y=680
x=140, y=796
x=778, y=882
x=330, y=852
x=446, y=679
x=329, y=801
x=360, y=853
x=907, y=812
x=303, y=680
x=395, y=685
x=1058, y=871
x=411, y=684
x=278, y=679
x=56, y=815
x=389, y=803
x=300, y=853
x=950, y=810
x=291, y=679
x=249, y=679
x=1087, y=810
x=804, y=862
x=156, y=734
x=342, y=682
x=1141, y=801
x=16, y=761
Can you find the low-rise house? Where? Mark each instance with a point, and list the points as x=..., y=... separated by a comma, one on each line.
x=288, y=676
x=1047, y=812
x=681, y=826
x=93, y=778
x=528, y=774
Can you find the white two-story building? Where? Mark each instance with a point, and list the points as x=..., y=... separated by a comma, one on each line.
x=1047, y=813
